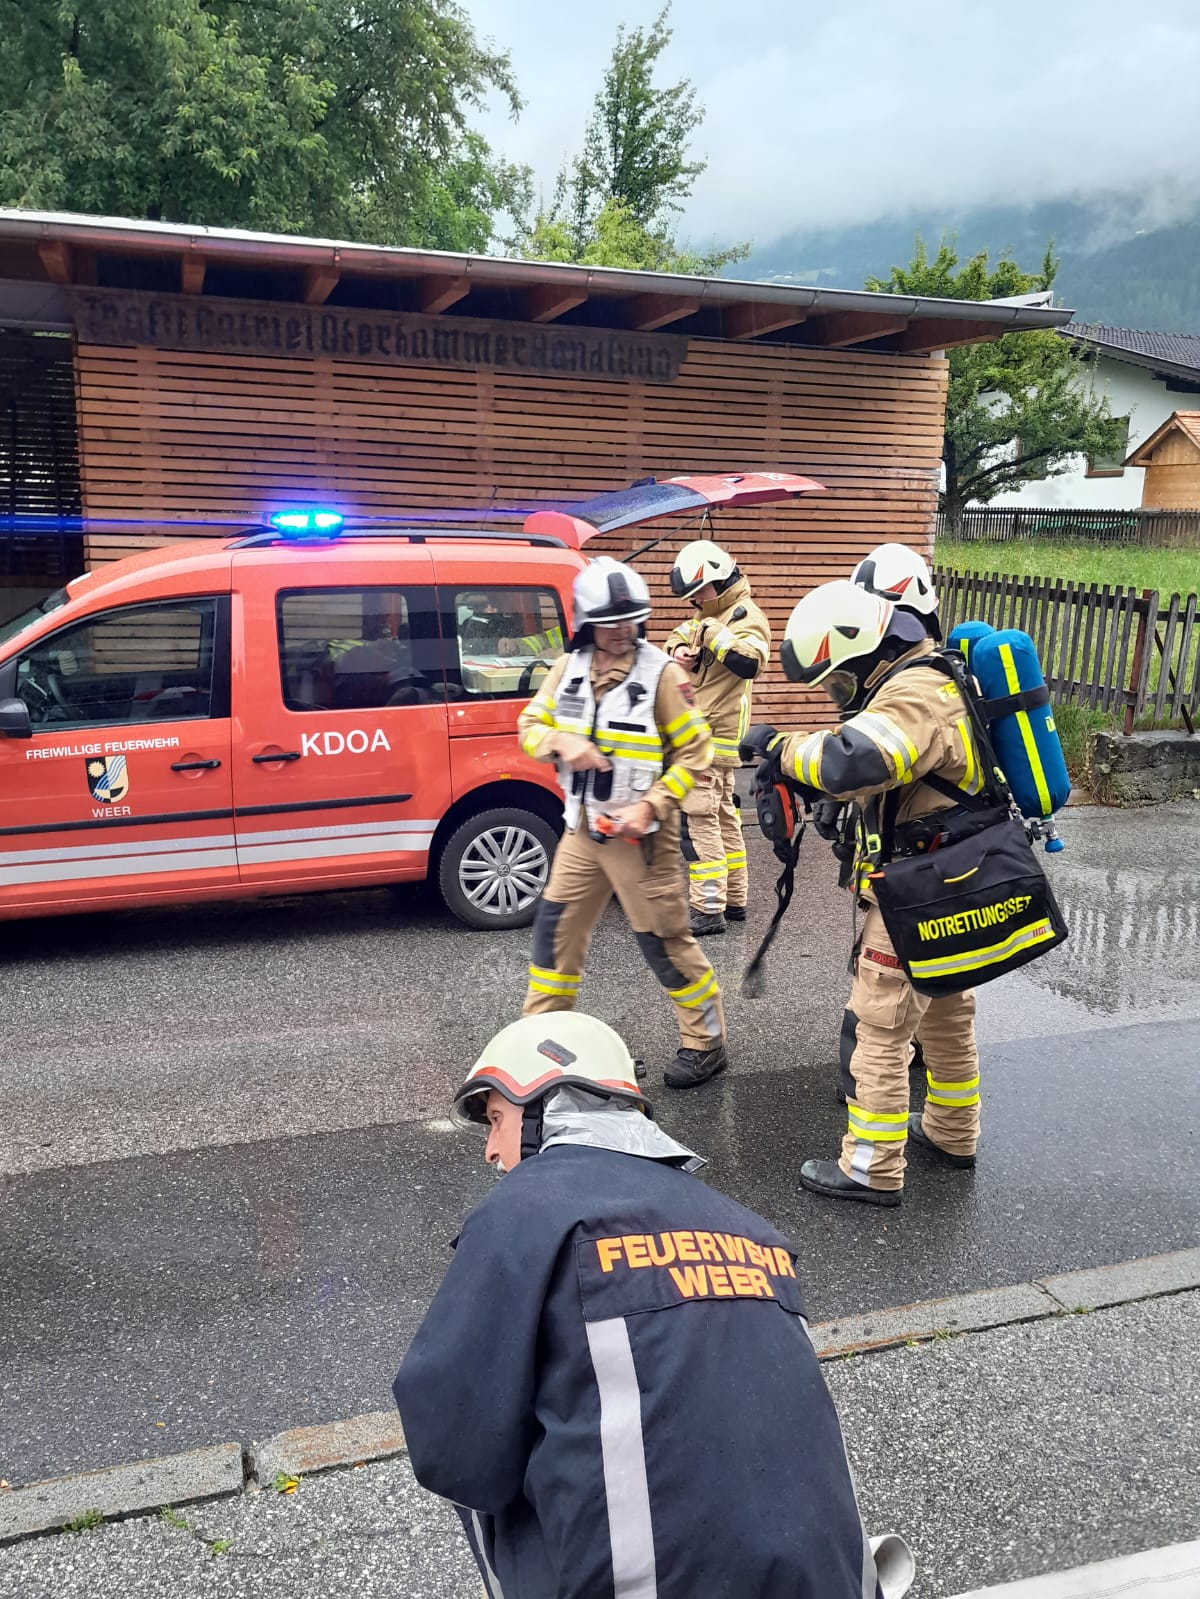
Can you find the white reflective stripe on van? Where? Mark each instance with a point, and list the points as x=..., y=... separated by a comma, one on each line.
x=350, y=830
x=215, y=852
x=131, y=865
x=91, y=852
x=294, y=849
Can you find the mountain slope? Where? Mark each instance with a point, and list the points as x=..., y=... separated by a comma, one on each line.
x=1110, y=272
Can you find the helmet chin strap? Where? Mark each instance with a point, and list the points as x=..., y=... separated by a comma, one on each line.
x=531, y=1129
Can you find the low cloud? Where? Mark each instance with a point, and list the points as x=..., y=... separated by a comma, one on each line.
x=823, y=118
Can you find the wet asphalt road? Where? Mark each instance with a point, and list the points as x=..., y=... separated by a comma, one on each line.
x=227, y=1184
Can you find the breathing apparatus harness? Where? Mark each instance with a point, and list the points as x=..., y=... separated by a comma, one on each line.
x=783, y=807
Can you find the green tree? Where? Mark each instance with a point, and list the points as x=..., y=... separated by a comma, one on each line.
x=613, y=203
x=319, y=116
x=1017, y=408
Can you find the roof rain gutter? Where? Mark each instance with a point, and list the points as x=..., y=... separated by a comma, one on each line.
x=107, y=233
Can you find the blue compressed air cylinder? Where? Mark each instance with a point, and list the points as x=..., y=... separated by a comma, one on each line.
x=1026, y=741
x=965, y=636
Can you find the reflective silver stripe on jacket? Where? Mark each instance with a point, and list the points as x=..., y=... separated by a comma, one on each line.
x=623, y=1454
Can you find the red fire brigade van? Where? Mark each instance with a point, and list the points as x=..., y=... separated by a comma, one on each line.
x=302, y=706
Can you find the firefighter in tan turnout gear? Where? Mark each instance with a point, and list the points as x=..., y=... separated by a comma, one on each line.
x=620, y=721
x=724, y=647
x=901, y=724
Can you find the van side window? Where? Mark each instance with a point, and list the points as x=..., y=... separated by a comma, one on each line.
x=355, y=649
x=140, y=663
x=507, y=638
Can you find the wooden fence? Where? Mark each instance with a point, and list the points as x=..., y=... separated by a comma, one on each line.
x=1109, y=648
x=991, y=524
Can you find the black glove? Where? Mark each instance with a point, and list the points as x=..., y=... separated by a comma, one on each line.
x=762, y=743
x=827, y=819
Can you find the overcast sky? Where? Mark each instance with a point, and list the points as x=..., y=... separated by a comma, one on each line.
x=833, y=113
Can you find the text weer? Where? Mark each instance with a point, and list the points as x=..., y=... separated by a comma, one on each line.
x=700, y=1264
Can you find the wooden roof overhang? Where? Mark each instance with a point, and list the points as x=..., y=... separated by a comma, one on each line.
x=1185, y=423
x=43, y=255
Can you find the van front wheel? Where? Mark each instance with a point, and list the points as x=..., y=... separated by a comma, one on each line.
x=494, y=867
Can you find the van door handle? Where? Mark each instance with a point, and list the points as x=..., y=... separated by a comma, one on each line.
x=280, y=755
x=194, y=766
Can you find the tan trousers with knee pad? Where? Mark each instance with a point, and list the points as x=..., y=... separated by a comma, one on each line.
x=889, y=1011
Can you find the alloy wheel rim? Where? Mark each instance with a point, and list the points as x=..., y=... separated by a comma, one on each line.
x=503, y=871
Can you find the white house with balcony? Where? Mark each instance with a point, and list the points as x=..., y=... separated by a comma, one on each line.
x=1145, y=377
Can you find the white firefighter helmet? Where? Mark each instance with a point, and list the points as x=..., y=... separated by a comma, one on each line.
x=534, y=1056
x=834, y=637
x=899, y=574
x=607, y=591
x=699, y=563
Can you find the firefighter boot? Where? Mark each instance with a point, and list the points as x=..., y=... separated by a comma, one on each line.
x=917, y=1135
x=735, y=913
x=701, y=923
x=827, y=1177
x=691, y=1067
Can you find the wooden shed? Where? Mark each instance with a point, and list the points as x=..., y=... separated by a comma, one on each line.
x=1171, y=456
x=220, y=374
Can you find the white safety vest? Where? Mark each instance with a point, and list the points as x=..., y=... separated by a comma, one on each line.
x=622, y=726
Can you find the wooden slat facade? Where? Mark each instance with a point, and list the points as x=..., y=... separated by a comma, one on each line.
x=169, y=435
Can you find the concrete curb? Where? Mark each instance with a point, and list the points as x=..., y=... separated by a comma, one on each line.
x=884, y=1329
x=225, y=1469
x=1152, y=1575
x=121, y=1490
x=1091, y=1289
x=326, y=1446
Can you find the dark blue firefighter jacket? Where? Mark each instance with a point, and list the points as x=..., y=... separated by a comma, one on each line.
x=616, y=1386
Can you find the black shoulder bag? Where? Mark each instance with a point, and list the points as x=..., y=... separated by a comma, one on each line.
x=973, y=903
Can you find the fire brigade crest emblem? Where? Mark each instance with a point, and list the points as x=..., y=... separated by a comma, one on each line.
x=107, y=779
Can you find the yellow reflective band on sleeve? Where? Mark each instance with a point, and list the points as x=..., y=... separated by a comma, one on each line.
x=726, y=747
x=973, y=960
x=808, y=760
x=531, y=740
x=964, y=1092
x=685, y=728
x=891, y=741
x=878, y=1126
x=697, y=993
x=1013, y=683
x=544, y=981
x=678, y=781
x=972, y=780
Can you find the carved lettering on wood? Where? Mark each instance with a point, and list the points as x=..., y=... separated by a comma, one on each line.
x=254, y=327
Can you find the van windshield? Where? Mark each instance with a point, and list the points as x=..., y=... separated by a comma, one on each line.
x=18, y=624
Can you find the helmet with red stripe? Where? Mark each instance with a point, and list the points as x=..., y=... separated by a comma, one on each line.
x=836, y=637
x=700, y=563
x=530, y=1058
x=899, y=574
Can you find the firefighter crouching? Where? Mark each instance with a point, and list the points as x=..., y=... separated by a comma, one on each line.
x=724, y=647
x=619, y=719
x=900, y=725
x=614, y=1384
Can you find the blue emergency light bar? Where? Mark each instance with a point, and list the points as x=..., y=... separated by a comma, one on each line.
x=307, y=524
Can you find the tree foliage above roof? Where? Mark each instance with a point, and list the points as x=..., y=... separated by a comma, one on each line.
x=315, y=116
x=1016, y=408
x=613, y=203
